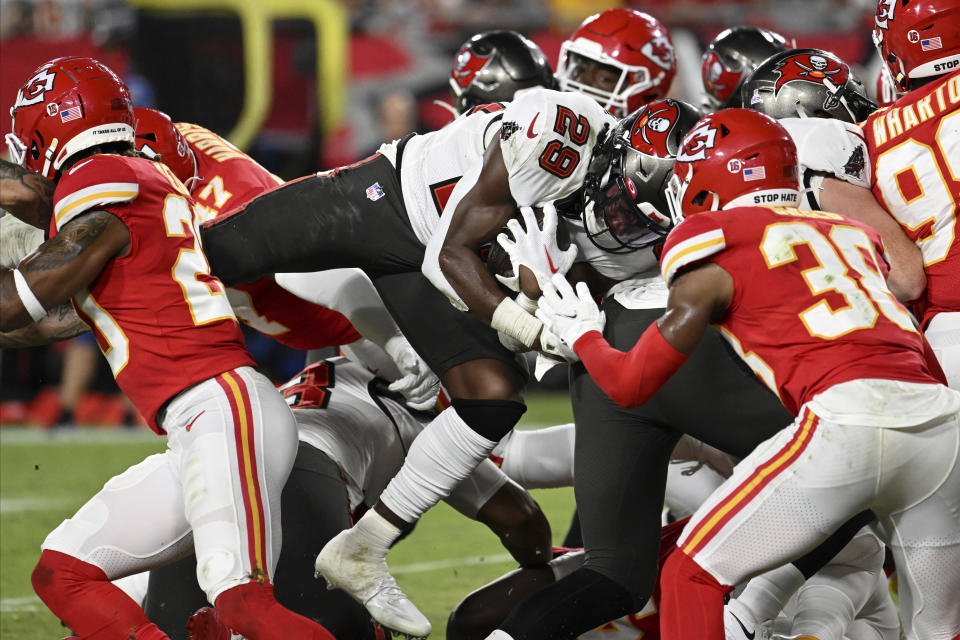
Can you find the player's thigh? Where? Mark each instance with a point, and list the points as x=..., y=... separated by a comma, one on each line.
x=919, y=513
x=135, y=522
x=943, y=334
x=785, y=498
x=233, y=462
x=443, y=336
x=620, y=466
x=319, y=222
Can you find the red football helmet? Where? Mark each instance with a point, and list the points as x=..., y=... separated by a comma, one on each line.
x=68, y=105
x=632, y=42
x=918, y=39
x=157, y=137
x=732, y=158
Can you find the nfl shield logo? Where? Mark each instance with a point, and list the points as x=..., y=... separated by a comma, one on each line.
x=375, y=192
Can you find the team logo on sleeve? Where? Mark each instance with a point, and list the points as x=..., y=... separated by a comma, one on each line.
x=660, y=51
x=466, y=66
x=855, y=163
x=507, y=129
x=651, y=131
x=810, y=68
x=36, y=88
x=694, y=146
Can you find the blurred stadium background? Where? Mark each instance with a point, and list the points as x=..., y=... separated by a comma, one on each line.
x=301, y=85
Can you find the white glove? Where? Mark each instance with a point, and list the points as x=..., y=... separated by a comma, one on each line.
x=536, y=248
x=567, y=313
x=512, y=343
x=553, y=347
x=418, y=385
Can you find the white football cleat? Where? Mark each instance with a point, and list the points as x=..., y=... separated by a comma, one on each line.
x=348, y=564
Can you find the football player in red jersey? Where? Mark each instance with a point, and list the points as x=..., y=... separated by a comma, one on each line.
x=123, y=247
x=831, y=343
x=623, y=58
x=914, y=147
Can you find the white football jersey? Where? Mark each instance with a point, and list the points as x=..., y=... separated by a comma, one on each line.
x=368, y=435
x=433, y=163
x=828, y=146
x=547, y=139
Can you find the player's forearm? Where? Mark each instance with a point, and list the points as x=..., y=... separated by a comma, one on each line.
x=468, y=277
x=630, y=378
x=906, y=279
x=27, y=195
x=61, y=323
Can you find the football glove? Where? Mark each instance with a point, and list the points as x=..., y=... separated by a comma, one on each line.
x=566, y=313
x=536, y=248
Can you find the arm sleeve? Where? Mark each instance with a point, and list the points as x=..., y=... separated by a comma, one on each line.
x=631, y=378
x=348, y=291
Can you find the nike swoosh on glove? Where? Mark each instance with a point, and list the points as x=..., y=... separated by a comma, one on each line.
x=418, y=383
x=536, y=248
x=568, y=314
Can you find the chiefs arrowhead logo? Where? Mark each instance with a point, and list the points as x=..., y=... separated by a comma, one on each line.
x=466, y=66
x=35, y=89
x=810, y=68
x=660, y=51
x=694, y=146
x=885, y=10
x=651, y=132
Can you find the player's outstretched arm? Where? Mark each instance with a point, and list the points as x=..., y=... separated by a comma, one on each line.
x=697, y=298
x=907, y=279
x=60, y=267
x=25, y=194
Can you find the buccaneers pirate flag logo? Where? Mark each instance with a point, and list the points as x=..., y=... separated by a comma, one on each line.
x=811, y=68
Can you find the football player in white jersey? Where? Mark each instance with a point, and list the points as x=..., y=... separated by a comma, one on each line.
x=354, y=434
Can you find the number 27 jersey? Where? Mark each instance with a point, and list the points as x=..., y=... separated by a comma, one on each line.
x=810, y=308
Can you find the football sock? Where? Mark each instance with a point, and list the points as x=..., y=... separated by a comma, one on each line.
x=251, y=610
x=82, y=596
x=444, y=453
x=691, y=604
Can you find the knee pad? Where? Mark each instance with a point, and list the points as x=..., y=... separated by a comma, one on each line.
x=492, y=419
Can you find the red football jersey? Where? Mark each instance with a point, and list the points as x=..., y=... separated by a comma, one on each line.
x=162, y=321
x=914, y=146
x=231, y=178
x=810, y=306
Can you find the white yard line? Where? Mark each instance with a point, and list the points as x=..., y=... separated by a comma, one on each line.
x=20, y=505
x=16, y=605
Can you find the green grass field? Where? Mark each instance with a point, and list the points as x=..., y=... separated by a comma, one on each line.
x=44, y=479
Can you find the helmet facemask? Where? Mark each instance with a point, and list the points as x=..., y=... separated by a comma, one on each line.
x=633, y=80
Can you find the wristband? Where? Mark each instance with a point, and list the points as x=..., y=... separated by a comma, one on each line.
x=510, y=319
x=526, y=303
x=29, y=301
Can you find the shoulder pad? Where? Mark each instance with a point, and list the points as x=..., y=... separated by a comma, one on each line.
x=696, y=238
x=94, y=182
x=833, y=147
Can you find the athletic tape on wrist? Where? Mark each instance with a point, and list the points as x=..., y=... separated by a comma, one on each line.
x=30, y=302
x=510, y=318
x=526, y=303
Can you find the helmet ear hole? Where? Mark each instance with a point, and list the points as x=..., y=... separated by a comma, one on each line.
x=700, y=198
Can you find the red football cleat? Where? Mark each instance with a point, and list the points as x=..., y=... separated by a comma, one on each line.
x=205, y=625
